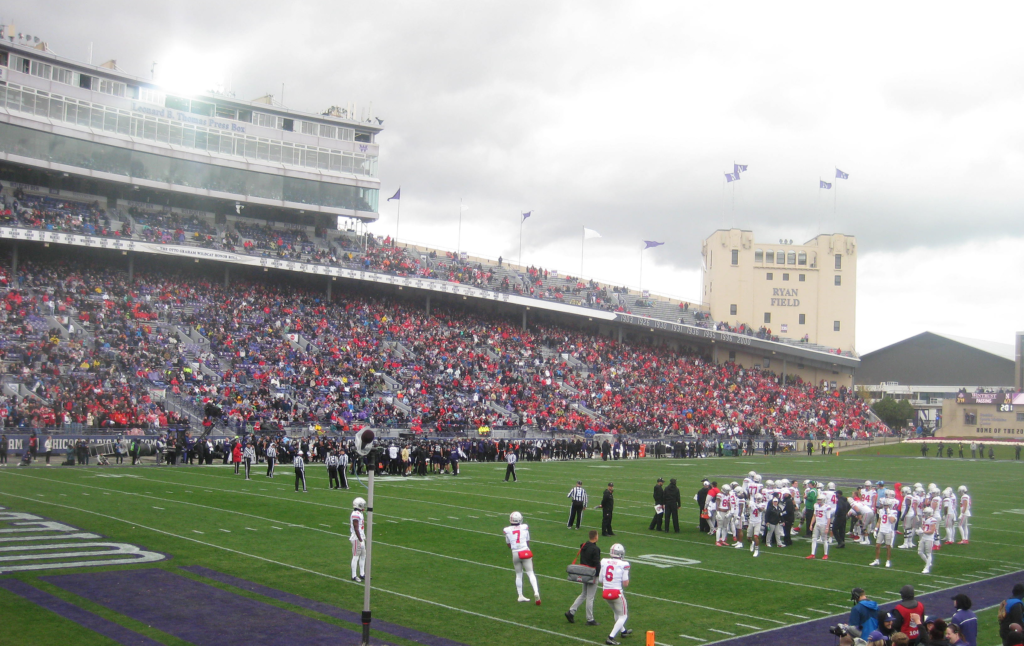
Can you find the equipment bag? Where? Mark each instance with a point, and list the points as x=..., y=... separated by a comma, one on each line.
x=580, y=573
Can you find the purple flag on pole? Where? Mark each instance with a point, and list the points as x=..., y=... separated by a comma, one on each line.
x=841, y=175
x=738, y=168
x=823, y=184
x=396, y=196
x=526, y=215
x=652, y=243
x=732, y=177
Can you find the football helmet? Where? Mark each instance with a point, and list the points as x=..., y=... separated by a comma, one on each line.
x=906, y=491
x=515, y=518
x=867, y=483
x=758, y=498
x=757, y=478
x=831, y=486
x=961, y=489
x=359, y=503
x=726, y=488
x=947, y=492
x=918, y=485
x=752, y=474
x=770, y=483
x=927, y=511
x=617, y=551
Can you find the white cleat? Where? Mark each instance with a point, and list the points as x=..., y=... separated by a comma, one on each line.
x=523, y=599
x=739, y=546
x=888, y=564
x=756, y=552
x=875, y=562
x=926, y=570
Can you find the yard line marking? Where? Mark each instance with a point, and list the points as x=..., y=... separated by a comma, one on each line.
x=272, y=527
x=749, y=626
x=315, y=573
x=931, y=587
x=225, y=530
x=797, y=616
x=836, y=605
x=724, y=632
x=327, y=526
x=85, y=494
x=429, y=518
x=252, y=530
x=106, y=494
x=197, y=531
x=393, y=521
x=454, y=517
x=160, y=508
x=824, y=612
x=696, y=639
x=895, y=594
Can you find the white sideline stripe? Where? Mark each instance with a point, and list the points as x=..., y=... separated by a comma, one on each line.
x=797, y=616
x=314, y=572
x=724, y=632
x=412, y=549
x=696, y=639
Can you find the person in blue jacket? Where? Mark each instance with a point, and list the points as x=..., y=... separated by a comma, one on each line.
x=864, y=616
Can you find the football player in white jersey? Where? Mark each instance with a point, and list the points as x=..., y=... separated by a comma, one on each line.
x=357, y=536
x=821, y=527
x=965, y=513
x=865, y=518
x=871, y=498
x=908, y=514
x=935, y=502
x=755, y=487
x=517, y=536
x=723, y=515
x=949, y=507
x=886, y=531
x=757, y=509
x=735, y=523
x=614, y=575
x=926, y=535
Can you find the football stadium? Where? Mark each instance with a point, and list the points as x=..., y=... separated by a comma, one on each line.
x=234, y=415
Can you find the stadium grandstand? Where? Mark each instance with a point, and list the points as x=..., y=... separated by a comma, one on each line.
x=205, y=261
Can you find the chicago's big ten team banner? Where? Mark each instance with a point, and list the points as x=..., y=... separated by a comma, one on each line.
x=17, y=442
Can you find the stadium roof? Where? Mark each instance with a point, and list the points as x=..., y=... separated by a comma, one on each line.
x=1004, y=350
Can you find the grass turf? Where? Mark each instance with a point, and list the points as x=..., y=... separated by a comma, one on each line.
x=441, y=565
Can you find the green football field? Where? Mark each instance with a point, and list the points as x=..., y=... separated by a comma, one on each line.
x=440, y=564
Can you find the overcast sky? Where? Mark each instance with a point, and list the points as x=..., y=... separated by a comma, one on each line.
x=624, y=117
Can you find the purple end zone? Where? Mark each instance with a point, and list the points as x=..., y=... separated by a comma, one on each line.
x=983, y=594
x=200, y=613
x=322, y=608
x=89, y=620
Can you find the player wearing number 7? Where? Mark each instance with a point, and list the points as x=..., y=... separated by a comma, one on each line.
x=517, y=536
x=615, y=577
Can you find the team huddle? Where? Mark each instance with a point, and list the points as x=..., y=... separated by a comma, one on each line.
x=766, y=512
x=613, y=574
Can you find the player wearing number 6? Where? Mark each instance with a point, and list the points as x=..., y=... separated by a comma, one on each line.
x=614, y=578
x=517, y=535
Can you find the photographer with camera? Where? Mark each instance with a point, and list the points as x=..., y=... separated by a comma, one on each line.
x=864, y=616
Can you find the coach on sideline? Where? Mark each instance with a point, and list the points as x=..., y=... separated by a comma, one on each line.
x=590, y=555
x=578, y=495
x=607, y=506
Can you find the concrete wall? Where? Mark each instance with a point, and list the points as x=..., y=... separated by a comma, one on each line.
x=989, y=422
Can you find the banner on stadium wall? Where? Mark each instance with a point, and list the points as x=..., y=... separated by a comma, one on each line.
x=17, y=444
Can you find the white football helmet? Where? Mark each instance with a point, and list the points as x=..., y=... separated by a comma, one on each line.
x=831, y=486
x=927, y=511
x=734, y=484
x=906, y=491
x=933, y=488
x=752, y=474
x=757, y=478
x=758, y=498
x=919, y=491
x=726, y=488
x=807, y=482
x=617, y=551
x=784, y=482
x=918, y=485
x=947, y=492
x=359, y=504
x=867, y=483
x=770, y=483
x=961, y=489
x=515, y=518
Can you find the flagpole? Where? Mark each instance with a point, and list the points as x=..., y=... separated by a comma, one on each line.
x=398, y=219
x=582, y=245
x=458, y=248
x=521, y=221
x=835, y=196
x=642, y=270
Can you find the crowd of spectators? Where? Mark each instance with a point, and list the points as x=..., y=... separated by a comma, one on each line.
x=275, y=355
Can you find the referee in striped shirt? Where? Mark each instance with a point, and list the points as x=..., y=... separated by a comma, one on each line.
x=332, y=470
x=271, y=459
x=578, y=495
x=510, y=470
x=300, y=471
x=248, y=457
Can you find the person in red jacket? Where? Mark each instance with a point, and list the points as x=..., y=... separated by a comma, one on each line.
x=236, y=455
x=909, y=613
